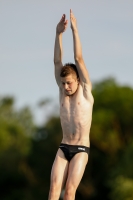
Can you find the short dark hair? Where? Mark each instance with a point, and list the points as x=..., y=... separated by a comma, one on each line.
x=69, y=68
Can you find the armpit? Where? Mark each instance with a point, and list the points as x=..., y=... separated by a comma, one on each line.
x=87, y=92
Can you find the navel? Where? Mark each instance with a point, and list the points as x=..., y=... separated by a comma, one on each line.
x=78, y=103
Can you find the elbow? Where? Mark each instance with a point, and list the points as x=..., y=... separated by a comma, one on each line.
x=78, y=59
x=56, y=61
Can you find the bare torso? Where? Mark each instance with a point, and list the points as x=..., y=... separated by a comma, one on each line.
x=76, y=116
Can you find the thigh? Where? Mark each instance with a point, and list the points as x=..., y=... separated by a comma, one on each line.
x=59, y=170
x=76, y=169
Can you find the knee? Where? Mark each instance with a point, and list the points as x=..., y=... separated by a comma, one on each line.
x=54, y=191
x=69, y=192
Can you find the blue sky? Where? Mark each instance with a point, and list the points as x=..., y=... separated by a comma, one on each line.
x=27, y=33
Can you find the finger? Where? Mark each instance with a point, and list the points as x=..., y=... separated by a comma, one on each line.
x=66, y=22
x=63, y=17
x=70, y=12
x=71, y=15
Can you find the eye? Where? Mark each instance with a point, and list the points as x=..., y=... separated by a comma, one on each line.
x=63, y=83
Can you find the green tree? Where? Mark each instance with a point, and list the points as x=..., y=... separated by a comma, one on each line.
x=15, y=145
x=111, y=139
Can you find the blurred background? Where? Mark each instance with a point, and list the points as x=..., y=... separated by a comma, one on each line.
x=29, y=107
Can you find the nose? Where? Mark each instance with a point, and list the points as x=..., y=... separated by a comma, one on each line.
x=65, y=86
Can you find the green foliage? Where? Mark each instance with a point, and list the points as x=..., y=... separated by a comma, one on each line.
x=15, y=145
x=122, y=188
x=112, y=116
x=112, y=135
x=14, y=126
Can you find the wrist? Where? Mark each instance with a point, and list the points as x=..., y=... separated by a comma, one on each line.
x=75, y=30
x=58, y=33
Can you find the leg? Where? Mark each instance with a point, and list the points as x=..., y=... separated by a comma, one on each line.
x=75, y=172
x=58, y=175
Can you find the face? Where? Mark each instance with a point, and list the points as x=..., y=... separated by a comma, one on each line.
x=70, y=84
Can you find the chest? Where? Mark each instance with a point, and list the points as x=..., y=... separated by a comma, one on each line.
x=75, y=104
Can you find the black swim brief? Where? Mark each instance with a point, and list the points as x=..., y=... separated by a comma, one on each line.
x=71, y=150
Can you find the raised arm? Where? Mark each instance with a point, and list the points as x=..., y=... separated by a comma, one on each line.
x=61, y=27
x=83, y=73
